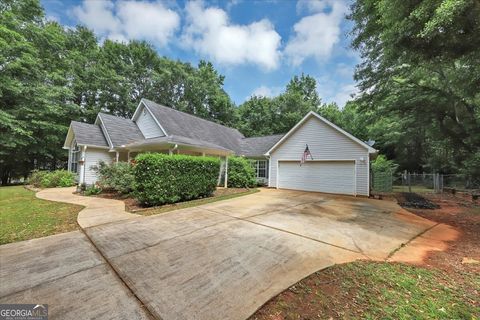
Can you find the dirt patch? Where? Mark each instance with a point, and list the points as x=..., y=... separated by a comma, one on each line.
x=132, y=205
x=464, y=215
x=414, y=200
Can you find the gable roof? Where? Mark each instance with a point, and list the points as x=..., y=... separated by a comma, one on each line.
x=178, y=123
x=314, y=114
x=258, y=146
x=121, y=131
x=87, y=134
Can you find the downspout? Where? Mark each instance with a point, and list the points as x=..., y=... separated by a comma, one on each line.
x=226, y=171
x=81, y=179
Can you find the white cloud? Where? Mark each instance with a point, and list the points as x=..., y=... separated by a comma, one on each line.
x=333, y=91
x=344, y=70
x=344, y=94
x=264, y=91
x=209, y=32
x=317, y=34
x=126, y=20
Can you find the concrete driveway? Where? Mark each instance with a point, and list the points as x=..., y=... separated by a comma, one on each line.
x=224, y=260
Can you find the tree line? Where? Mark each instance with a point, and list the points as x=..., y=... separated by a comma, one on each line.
x=419, y=80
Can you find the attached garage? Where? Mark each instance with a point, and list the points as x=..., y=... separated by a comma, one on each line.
x=338, y=162
x=319, y=176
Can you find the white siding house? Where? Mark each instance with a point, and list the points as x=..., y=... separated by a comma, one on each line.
x=93, y=156
x=147, y=123
x=340, y=162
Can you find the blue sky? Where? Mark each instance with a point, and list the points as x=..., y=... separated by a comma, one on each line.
x=258, y=45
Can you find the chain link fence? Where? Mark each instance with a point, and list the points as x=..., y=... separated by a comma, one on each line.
x=422, y=182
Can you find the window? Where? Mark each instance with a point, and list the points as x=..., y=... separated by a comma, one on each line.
x=75, y=157
x=260, y=167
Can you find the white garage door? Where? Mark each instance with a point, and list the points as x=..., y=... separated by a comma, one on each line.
x=320, y=176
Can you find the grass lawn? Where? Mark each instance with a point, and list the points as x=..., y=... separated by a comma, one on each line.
x=376, y=290
x=193, y=203
x=23, y=216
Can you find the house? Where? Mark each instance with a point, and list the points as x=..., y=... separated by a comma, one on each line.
x=339, y=162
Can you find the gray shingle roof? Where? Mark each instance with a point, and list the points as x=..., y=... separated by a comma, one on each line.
x=182, y=128
x=120, y=130
x=182, y=124
x=258, y=146
x=88, y=134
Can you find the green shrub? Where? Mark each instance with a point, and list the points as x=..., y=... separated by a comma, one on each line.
x=36, y=178
x=161, y=179
x=116, y=176
x=381, y=164
x=57, y=178
x=92, y=190
x=240, y=173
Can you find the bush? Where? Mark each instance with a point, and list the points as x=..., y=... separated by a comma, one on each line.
x=240, y=173
x=57, y=178
x=381, y=164
x=161, y=179
x=92, y=190
x=116, y=176
x=36, y=177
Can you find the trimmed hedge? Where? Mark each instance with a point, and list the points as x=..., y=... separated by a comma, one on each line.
x=240, y=173
x=51, y=179
x=116, y=176
x=161, y=179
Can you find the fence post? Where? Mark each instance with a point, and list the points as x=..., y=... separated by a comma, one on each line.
x=409, y=184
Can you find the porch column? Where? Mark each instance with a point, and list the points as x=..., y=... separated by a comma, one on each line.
x=128, y=157
x=117, y=155
x=69, y=162
x=226, y=171
x=81, y=177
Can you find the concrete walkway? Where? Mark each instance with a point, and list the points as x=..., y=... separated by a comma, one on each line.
x=97, y=210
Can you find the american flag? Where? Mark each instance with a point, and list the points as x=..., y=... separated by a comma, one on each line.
x=306, y=153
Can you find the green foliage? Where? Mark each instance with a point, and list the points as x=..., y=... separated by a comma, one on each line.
x=161, y=179
x=382, y=174
x=116, y=176
x=51, y=75
x=92, y=190
x=381, y=164
x=240, y=173
x=471, y=168
x=265, y=116
x=57, y=178
x=419, y=79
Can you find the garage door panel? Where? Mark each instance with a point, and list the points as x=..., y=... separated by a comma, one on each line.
x=320, y=176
